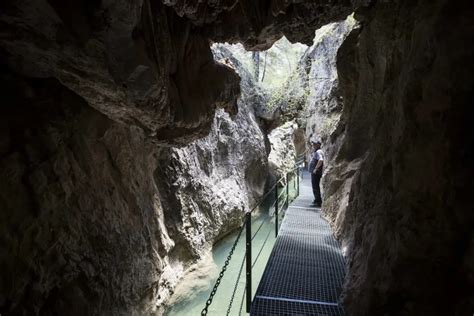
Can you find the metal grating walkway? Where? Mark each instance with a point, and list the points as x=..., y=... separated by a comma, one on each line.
x=306, y=269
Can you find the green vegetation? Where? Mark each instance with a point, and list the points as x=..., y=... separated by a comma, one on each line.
x=280, y=75
x=291, y=96
x=279, y=63
x=287, y=82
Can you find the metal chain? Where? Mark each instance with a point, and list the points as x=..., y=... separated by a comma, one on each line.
x=221, y=274
x=236, y=285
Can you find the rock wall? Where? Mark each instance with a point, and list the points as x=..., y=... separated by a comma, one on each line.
x=208, y=185
x=323, y=111
x=402, y=176
x=138, y=63
x=324, y=102
x=282, y=156
x=323, y=107
x=148, y=63
x=82, y=224
x=98, y=219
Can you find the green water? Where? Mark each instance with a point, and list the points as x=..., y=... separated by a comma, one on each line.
x=194, y=290
x=197, y=296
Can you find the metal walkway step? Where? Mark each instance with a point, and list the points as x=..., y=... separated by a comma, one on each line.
x=306, y=269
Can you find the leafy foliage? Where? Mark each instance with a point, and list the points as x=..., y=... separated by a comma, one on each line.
x=281, y=76
x=290, y=98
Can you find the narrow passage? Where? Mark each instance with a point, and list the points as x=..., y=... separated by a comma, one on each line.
x=306, y=269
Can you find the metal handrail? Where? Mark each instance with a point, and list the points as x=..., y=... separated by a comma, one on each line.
x=248, y=287
x=282, y=193
x=279, y=196
x=248, y=227
x=262, y=199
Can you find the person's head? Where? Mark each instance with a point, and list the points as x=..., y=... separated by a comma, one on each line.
x=316, y=144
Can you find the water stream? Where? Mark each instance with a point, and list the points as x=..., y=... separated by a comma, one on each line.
x=193, y=291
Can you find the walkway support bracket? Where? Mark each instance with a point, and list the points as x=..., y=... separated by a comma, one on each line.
x=248, y=256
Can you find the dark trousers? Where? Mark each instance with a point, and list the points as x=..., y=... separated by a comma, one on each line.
x=315, y=180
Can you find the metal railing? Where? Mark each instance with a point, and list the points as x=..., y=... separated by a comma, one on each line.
x=281, y=202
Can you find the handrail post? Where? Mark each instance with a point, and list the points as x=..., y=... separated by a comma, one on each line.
x=248, y=256
x=276, y=210
x=298, y=181
x=287, y=190
x=295, y=174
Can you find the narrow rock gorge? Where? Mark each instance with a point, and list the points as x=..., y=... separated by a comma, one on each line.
x=126, y=150
x=322, y=114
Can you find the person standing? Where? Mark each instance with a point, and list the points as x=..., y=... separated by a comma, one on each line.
x=316, y=169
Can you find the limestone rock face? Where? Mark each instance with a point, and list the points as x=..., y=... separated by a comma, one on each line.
x=212, y=182
x=324, y=103
x=148, y=63
x=208, y=185
x=323, y=111
x=283, y=154
x=403, y=176
x=257, y=24
x=138, y=63
x=96, y=219
x=82, y=224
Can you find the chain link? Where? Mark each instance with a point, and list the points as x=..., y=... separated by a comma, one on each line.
x=221, y=274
